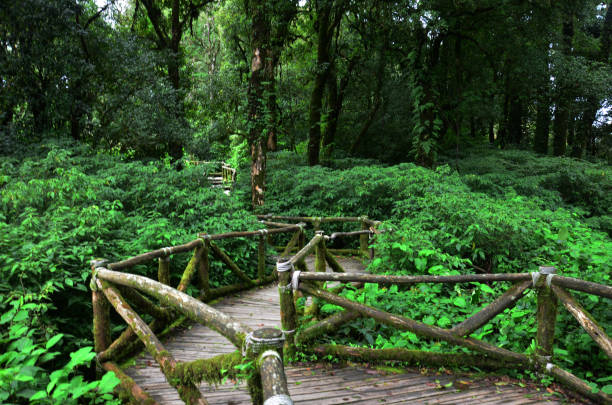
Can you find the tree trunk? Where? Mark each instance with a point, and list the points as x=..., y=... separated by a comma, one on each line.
x=322, y=72
x=562, y=113
x=560, y=125
x=175, y=40
x=491, y=132
x=515, y=121
x=334, y=105
x=585, y=128
x=260, y=75
x=540, y=142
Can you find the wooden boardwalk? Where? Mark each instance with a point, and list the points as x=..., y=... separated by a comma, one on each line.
x=317, y=384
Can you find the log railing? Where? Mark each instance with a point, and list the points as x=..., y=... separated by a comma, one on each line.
x=550, y=288
x=223, y=175
x=127, y=293
x=367, y=231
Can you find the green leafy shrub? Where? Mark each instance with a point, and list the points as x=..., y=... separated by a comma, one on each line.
x=27, y=363
x=64, y=204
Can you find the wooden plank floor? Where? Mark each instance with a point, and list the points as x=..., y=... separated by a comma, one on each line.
x=319, y=384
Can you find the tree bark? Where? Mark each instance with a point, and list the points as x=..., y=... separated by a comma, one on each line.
x=562, y=113
x=540, y=142
x=324, y=37
x=260, y=61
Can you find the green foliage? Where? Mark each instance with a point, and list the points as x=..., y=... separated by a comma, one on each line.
x=27, y=366
x=63, y=205
x=441, y=222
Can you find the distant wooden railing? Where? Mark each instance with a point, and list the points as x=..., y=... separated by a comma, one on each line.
x=112, y=286
x=550, y=287
x=223, y=175
x=368, y=228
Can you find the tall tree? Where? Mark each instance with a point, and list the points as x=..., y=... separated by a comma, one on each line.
x=270, y=22
x=328, y=14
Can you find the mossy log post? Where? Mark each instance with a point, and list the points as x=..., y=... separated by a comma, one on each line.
x=585, y=320
x=212, y=370
x=305, y=251
x=257, y=344
x=247, y=234
x=291, y=244
x=320, y=250
x=230, y=263
x=143, y=304
x=288, y=314
x=546, y=314
x=190, y=270
x=327, y=325
x=415, y=357
x=577, y=384
x=128, y=385
x=506, y=300
x=403, y=280
x=320, y=267
x=273, y=380
x=261, y=257
x=364, y=238
x=400, y=322
x=127, y=343
x=101, y=312
x=188, y=391
x=232, y=329
x=204, y=270
x=301, y=264
x=333, y=263
x=163, y=270
x=584, y=286
x=163, y=252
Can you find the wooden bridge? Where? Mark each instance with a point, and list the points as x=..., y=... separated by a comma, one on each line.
x=262, y=321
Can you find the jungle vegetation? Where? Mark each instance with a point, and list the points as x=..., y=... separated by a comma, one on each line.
x=480, y=130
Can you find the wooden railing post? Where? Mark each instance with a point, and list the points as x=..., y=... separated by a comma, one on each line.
x=163, y=270
x=204, y=269
x=301, y=243
x=320, y=254
x=287, y=305
x=546, y=312
x=257, y=344
x=364, y=238
x=101, y=311
x=261, y=256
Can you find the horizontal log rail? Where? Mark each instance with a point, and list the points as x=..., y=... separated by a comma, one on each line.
x=320, y=220
x=267, y=382
x=409, y=280
x=549, y=286
x=113, y=287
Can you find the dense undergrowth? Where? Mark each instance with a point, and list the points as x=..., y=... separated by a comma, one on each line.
x=64, y=204
x=508, y=212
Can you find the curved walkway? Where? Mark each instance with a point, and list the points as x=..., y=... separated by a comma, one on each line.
x=318, y=384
